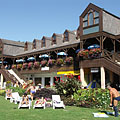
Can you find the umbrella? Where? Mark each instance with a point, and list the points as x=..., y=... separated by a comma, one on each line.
x=62, y=53
x=43, y=56
x=93, y=46
x=3, y=62
x=31, y=59
x=79, y=50
x=20, y=60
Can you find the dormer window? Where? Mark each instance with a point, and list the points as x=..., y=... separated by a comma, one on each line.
x=66, y=37
x=26, y=46
x=91, y=18
x=34, y=44
x=53, y=39
x=43, y=42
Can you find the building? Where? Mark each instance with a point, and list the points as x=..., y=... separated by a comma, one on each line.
x=38, y=60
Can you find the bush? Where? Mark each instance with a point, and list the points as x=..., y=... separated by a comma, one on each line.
x=96, y=98
x=2, y=92
x=68, y=86
x=18, y=89
x=45, y=92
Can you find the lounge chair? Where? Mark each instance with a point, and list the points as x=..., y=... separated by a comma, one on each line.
x=39, y=105
x=56, y=102
x=24, y=105
x=15, y=97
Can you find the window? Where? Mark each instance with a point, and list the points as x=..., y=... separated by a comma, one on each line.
x=54, y=39
x=34, y=44
x=43, y=42
x=91, y=18
x=65, y=36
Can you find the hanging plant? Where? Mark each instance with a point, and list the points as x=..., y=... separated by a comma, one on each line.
x=30, y=65
x=24, y=66
x=43, y=63
x=36, y=64
x=69, y=60
x=19, y=66
x=59, y=61
x=51, y=62
x=14, y=66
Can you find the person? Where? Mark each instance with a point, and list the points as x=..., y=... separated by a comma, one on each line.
x=39, y=85
x=40, y=101
x=32, y=91
x=114, y=98
x=9, y=93
x=16, y=84
x=25, y=99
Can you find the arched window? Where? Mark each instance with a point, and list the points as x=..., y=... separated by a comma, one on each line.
x=53, y=39
x=91, y=18
x=66, y=36
x=43, y=42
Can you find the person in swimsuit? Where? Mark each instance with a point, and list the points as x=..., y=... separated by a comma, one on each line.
x=9, y=92
x=32, y=91
x=40, y=101
x=114, y=98
x=25, y=99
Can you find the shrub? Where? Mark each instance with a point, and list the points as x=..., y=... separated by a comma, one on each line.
x=68, y=86
x=96, y=98
x=8, y=84
x=19, y=90
x=2, y=92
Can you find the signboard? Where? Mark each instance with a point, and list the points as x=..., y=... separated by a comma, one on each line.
x=44, y=68
x=94, y=70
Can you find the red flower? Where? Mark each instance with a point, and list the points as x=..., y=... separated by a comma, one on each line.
x=62, y=81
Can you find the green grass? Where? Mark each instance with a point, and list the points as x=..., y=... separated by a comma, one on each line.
x=10, y=111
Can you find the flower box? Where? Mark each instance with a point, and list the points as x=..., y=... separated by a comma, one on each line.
x=24, y=66
x=14, y=66
x=69, y=60
x=36, y=64
x=30, y=65
x=51, y=62
x=59, y=61
x=43, y=63
x=19, y=66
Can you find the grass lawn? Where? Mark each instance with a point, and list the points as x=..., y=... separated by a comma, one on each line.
x=9, y=111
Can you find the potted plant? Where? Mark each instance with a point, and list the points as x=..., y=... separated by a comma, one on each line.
x=30, y=65
x=36, y=64
x=43, y=63
x=69, y=60
x=59, y=61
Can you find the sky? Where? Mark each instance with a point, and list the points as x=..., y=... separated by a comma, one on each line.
x=26, y=20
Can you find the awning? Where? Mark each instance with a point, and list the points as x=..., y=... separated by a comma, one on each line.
x=44, y=56
x=68, y=73
x=31, y=59
x=62, y=53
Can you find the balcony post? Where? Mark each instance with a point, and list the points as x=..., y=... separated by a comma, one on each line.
x=102, y=77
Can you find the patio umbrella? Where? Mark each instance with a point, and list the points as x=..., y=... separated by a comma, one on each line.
x=3, y=62
x=62, y=53
x=20, y=60
x=93, y=46
x=31, y=59
x=44, y=56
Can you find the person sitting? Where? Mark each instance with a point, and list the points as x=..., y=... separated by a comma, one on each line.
x=16, y=84
x=40, y=101
x=25, y=99
x=9, y=93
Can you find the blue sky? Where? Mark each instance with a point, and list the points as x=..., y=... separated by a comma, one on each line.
x=24, y=20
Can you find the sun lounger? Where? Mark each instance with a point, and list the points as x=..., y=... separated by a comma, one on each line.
x=56, y=102
x=39, y=105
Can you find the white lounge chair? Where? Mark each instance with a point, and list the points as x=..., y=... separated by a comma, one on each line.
x=15, y=97
x=24, y=105
x=57, y=103
x=39, y=105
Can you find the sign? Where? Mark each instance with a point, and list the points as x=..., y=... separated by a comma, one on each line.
x=44, y=68
x=94, y=70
